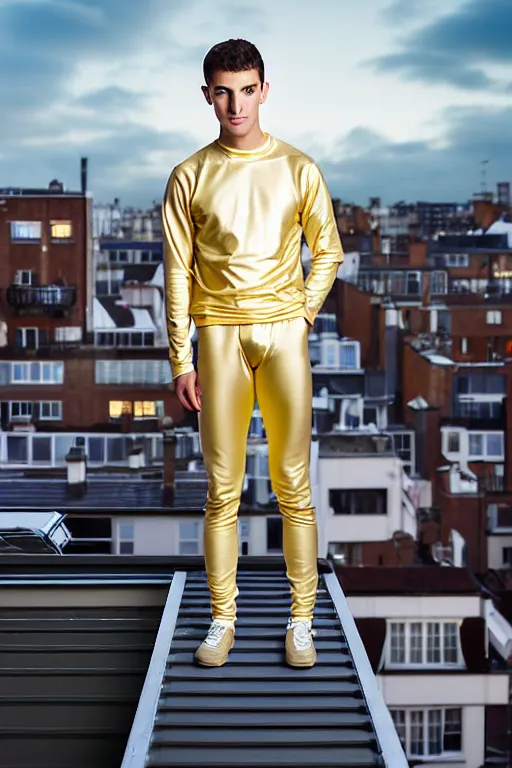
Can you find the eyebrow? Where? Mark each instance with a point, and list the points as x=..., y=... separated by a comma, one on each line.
x=224, y=88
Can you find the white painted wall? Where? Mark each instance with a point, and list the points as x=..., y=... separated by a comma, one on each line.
x=429, y=607
x=495, y=545
x=443, y=690
x=354, y=473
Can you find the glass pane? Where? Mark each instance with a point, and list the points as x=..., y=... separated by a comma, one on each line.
x=398, y=717
x=417, y=733
x=451, y=632
x=435, y=741
x=17, y=449
x=433, y=643
x=453, y=730
x=62, y=445
x=126, y=548
x=96, y=449
x=189, y=530
x=398, y=643
x=42, y=450
x=116, y=449
x=189, y=548
x=126, y=531
x=416, y=638
x=35, y=371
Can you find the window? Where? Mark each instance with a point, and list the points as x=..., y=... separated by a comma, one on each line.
x=90, y=535
x=413, y=283
x=61, y=230
x=358, y=501
x=457, y=259
x=140, y=409
x=41, y=449
x=124, y=338
x=404, y=448
x=26, y=230
x=50, y=410
x=25, y=277
x=20, y=410
x=126, y=535
x=349, y=357
x=429, y=732
x=133, y=372
x=37, y=373
x=507, y=557
x=481, y=384
x=274, y=534
x=486, y=445
x=432, y=643
x=439, y=282
x=494, y=317
x=17, y=449
x=244, y=529
x=464, y=346
x=30, y=338
x=453, y=442
x=189, y=538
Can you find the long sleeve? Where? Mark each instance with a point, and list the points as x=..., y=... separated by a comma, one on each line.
x=178, y=231
x=323, y=239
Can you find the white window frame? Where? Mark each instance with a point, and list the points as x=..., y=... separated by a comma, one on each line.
x=494, y=317
x=25, y=408
x=117, y=333
x=184, y=540
x=406, y=717
x=54, y=410
x=24, y=330
x=457, y=259
x=345, y=345
x=32, y=231
x=147, y=372
x=24, y=277
x=485, y=455
x=464, y=346
x=408, y=625
x=50, y=373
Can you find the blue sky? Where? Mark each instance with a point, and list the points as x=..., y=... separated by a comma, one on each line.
x=397, y=98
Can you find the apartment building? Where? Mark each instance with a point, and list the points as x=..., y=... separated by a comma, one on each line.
x=426, y=631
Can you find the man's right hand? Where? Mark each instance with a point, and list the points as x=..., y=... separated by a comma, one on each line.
x=188, y=390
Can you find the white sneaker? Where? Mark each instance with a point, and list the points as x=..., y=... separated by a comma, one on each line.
x=300, y=649
x=214, y=650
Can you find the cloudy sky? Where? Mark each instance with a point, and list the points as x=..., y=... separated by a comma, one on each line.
x=397, y=98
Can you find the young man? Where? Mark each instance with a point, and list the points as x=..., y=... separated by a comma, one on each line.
x=233, y=216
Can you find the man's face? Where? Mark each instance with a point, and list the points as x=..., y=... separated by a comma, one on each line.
x=236, y=99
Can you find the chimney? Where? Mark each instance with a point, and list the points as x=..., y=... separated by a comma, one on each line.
x=76, y=473
x=83, y=168
x=170, y=441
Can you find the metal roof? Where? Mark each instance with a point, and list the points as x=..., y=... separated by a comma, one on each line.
x=255, y=711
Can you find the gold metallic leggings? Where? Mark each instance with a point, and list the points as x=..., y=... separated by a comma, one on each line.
x=237, y=364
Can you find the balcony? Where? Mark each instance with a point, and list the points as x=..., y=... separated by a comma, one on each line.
x=54, y=300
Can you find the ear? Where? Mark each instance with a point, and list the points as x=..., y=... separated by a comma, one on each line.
x=264, y=92
x=206, y=93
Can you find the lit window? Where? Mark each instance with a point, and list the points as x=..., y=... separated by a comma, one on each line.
x=144, y=409
x=61, y=230
x=26, y=230
x=118, y=408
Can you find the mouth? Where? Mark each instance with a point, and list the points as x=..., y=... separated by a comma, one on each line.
x=237, y=120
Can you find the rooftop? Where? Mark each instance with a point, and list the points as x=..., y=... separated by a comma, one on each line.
x=99, y=653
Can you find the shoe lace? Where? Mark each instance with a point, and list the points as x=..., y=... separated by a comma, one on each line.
x=302, y=634
x=215, y=635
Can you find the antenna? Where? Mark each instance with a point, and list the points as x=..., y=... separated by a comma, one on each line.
x=483, y=184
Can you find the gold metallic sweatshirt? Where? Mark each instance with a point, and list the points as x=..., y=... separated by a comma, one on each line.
x=233, y=222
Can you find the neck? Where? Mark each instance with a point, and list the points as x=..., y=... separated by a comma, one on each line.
x=253, y=140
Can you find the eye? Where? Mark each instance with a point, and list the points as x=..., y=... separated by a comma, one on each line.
x=250, y=91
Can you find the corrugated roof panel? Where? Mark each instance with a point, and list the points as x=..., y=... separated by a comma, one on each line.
x=256, y=711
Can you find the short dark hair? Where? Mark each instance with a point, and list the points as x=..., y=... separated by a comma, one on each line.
x=233, y=56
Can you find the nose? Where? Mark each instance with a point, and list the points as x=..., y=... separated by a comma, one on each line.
x=235, y=105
